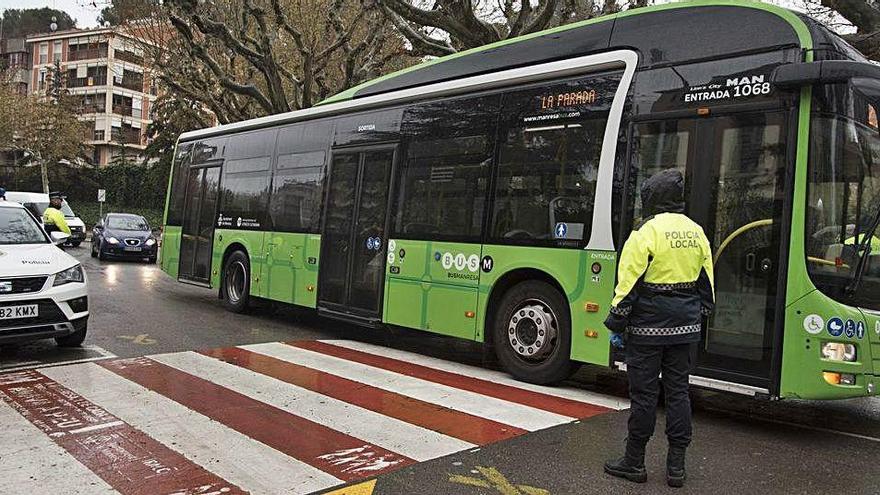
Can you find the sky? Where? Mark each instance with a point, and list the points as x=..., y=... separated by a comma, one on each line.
x=84, y=11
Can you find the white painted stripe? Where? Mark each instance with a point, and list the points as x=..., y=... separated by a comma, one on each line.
x=525, y=417
x=97, y=427
x=32, y=463
x=499, y=377
x=219, y=449
x=398, y=436
x=40, y=364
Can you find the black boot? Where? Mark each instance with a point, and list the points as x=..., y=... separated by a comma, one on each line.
x=675, y=473
x=631, y=466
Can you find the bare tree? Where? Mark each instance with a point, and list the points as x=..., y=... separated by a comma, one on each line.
x=864, y=16
x=248, y=58
x=442, y=27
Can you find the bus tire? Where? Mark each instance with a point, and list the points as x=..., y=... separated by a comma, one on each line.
x=532, y=333
x=236, y=283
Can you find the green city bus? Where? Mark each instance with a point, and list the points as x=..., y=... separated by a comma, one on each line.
x=485, y=195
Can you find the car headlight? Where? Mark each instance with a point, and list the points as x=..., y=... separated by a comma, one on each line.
x=72, y=274
x=113, y=240
x=838, y=351
x=150, y=241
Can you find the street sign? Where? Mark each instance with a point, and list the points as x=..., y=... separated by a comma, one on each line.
x=102, y=195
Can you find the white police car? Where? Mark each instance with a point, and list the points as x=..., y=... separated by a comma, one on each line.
x=42, y=289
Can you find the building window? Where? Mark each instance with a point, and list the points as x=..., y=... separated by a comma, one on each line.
x=56, y=51
x=44, y=53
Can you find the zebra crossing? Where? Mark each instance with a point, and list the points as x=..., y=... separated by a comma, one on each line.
x=270, y=418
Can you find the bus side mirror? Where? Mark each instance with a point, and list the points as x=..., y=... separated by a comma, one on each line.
x=794, y=76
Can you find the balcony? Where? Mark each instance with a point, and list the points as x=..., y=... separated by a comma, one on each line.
x=126, y=110
x=84, y=82
x=126, y=136
x=132, y=83
x=128, y=57
x=75, y=55
x=93, y=108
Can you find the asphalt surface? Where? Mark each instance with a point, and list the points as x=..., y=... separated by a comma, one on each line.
x=741, y=445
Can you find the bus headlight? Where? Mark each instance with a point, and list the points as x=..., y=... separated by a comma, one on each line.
x=838, y=351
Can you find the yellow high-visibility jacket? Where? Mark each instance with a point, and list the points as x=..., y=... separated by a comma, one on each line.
x=53, y=219
x=665, y=283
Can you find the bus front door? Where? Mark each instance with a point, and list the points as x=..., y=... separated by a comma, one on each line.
x=733, y=173
x=197, y=236
x=352, y=264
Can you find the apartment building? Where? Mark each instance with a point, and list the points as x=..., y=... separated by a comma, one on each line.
x=105, y=71
x=15, y=57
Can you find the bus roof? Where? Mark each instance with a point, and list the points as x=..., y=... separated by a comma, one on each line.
x=725, y=27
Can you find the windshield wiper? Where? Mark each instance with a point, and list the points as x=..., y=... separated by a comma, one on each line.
x=863, y=246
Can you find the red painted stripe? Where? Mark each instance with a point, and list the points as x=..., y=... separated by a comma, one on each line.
x=460, y=425
x=551, y=403
x=336, y=453
x=126, y=458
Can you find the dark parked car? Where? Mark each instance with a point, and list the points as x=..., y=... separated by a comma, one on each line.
x=122, y=235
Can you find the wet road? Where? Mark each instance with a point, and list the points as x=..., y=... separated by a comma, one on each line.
x=742, y=445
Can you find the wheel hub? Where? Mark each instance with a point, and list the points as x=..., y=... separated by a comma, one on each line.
x=235, y=285
x=532, y=330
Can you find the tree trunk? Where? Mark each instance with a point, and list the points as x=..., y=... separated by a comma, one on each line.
x=44, y=173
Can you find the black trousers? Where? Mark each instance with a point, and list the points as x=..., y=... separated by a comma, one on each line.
x=644, y=364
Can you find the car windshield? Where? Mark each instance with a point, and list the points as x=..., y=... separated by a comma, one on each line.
x=39, y=208
x=17, y=227
x=843, y=201
x=127, y=223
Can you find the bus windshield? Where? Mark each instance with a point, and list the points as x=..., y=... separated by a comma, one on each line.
x=843, y=202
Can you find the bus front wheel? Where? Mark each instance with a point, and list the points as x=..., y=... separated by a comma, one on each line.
x=532, y=333
x=236, y=282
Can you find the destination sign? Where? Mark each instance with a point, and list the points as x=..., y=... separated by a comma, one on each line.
x=568, y=99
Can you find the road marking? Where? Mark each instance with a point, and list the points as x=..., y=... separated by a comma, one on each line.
x=472, y=429
x=42, y=365
x=142, y=339
x=368, y=426
x=492, y=478
x=124, y=457
x=31, y=459
x=295, y=436
x=235, y=457
x=520, y=416
x=539, y=400
x=496, y=377
x=365, y=488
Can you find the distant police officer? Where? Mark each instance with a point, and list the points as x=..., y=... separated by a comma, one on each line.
x=53, y=218
x=664, y=291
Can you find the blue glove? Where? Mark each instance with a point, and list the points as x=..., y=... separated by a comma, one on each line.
x=616, y=340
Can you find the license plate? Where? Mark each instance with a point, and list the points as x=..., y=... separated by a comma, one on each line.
x=13, y=312
x=133, y=249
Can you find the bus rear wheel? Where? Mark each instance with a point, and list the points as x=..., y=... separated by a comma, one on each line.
x=532, y=333
x=236, y=285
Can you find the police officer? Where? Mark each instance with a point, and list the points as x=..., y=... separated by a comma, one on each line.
x=53, y=218
x=664, y=293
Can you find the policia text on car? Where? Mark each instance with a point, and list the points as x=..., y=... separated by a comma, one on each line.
x=664, y=292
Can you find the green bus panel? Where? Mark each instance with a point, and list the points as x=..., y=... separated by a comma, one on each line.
x=444, y=287
x=290, y=274
x=169, y=252
x=571, y=268
x=252, y=243
x=433, y=286
x=808, y=325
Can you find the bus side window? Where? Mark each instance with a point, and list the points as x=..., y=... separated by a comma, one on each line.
x=245, y=182
x=658, y=146
x=178, y=183
x=548, y=162
x=445, y=174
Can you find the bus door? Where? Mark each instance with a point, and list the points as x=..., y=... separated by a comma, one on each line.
x=197, y=236
x=352, y=267
x=734, y=188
